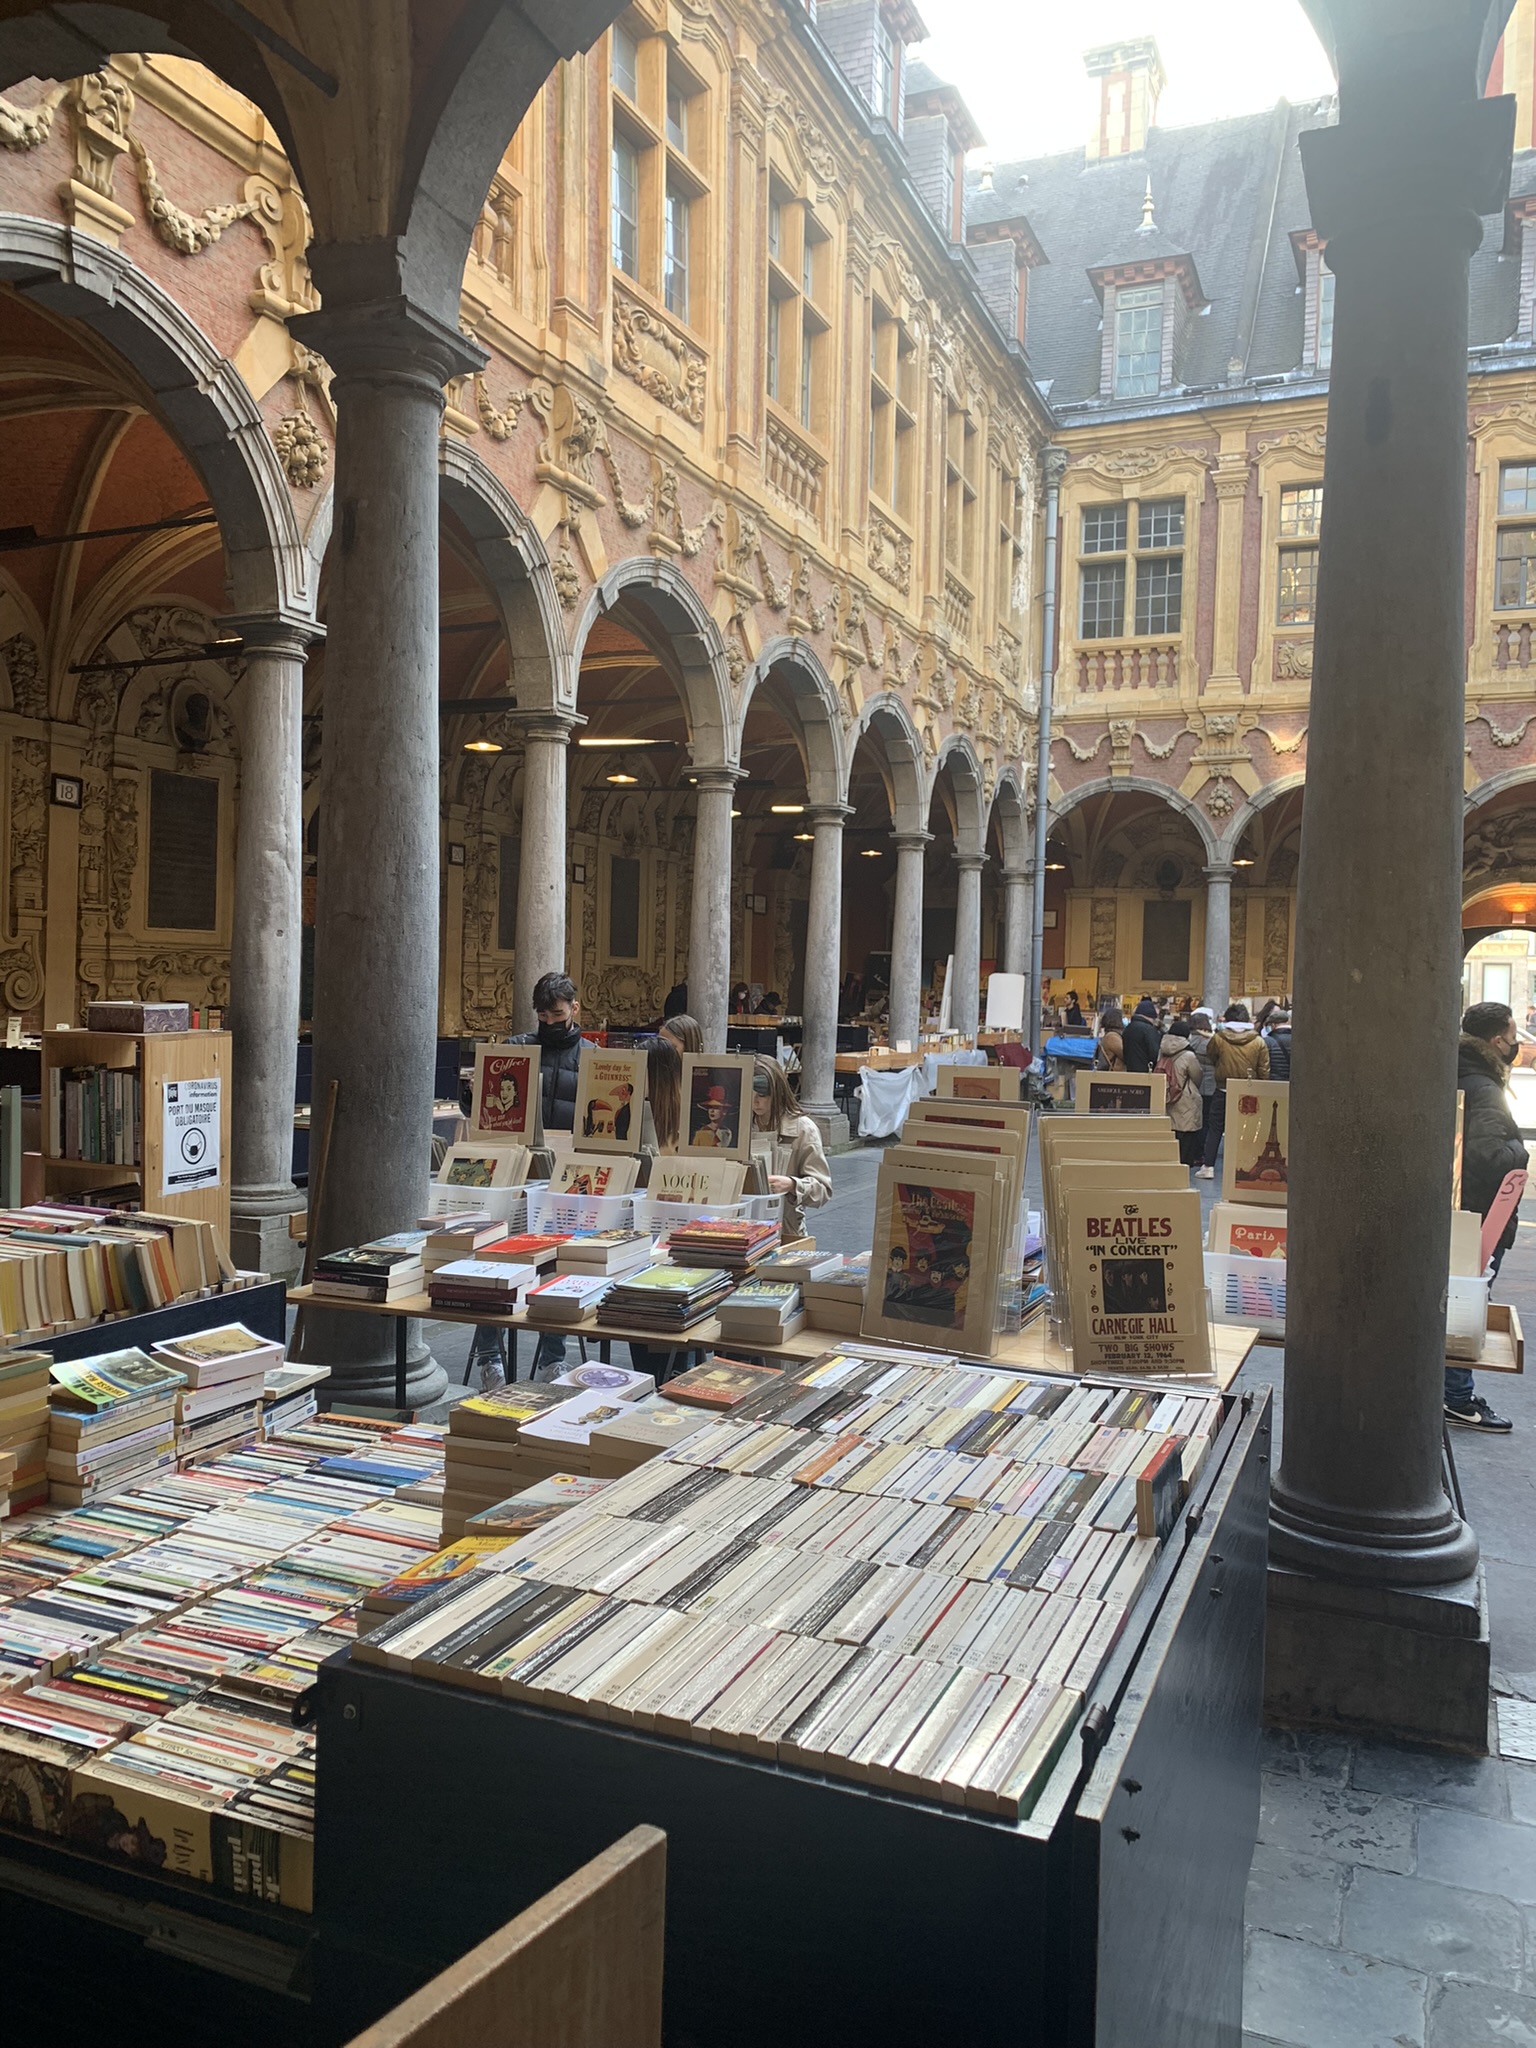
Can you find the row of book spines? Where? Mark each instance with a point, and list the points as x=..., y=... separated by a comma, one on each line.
x=97, y=1114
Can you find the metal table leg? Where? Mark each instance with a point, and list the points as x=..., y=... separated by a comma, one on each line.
x=402, y=1333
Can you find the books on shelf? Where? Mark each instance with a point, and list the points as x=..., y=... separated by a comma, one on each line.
x=604, y=1251
x=664, y=1298
x=567, y=1299
x=96, y=1113
x=764, y=1310
x=737, y=1246
x=24, y=1383
x=386, y=1270
x=495, y=1285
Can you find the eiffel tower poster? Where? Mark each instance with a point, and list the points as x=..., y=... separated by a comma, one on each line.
x=1256, y=1167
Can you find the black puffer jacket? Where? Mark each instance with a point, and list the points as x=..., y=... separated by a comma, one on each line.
x=1491, y=1142
x=557, y=1079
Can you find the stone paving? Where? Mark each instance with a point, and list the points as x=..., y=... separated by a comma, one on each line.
x=1392, y=1902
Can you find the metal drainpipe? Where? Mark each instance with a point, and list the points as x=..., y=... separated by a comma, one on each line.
x=1055, y=464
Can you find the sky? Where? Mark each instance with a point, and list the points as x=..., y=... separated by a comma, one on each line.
x=1019, y=63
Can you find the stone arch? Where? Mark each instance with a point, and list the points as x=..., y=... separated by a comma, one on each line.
x=959, y=756
x=1232, y=838
x=1499, y=844
x=1012, y=824
x=1118, y=785
x=816, y=702
x=694, y=641
x=515, y=563
x=888, y=716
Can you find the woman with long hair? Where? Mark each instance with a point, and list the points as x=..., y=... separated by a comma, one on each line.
x=797, y=1167
x=664, y=1087
x=685, y=1032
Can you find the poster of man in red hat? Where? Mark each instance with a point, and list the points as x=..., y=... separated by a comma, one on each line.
x=717, y=1104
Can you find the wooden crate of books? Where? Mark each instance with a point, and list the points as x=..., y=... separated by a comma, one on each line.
x=820, y=1909
x=104, y=1116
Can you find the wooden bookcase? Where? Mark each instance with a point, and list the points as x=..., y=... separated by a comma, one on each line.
x=158, y=1057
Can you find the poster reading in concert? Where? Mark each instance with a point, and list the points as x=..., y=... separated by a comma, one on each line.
x=717, y=1104
x=610, y=1094
x=1137, y=1282
x=506, y=1098
x=933, y=1268
x=1256, y=1156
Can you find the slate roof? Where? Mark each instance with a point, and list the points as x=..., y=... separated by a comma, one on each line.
x=1229, y=194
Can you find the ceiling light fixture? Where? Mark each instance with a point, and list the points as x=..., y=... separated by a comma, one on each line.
x=1055, y=867
x=594, y=740
x=482, y=746
x=1243, y=861
x=805, y=835
x=786, y=810
x=872, y=853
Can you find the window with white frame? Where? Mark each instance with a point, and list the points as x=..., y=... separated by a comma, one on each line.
x=658, y=182
x=1133, y=551
x=624, y=206
x=1138, y=341
x=1324, y=314
x=1301, y=518
x=893, y=402
x=1515, y=547
x=800, y=284
x=882, y=86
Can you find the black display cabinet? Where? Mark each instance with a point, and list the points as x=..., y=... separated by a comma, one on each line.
x=812, y=1911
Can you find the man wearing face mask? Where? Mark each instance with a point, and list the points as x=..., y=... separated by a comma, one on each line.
x=558, y=1009
x=1491, y=1147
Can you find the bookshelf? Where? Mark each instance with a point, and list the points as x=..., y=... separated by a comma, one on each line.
x=156, y=1057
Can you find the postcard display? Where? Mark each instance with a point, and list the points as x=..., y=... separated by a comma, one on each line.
x=823, y=1885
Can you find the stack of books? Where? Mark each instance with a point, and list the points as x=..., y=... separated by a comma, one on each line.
x=835, y=1301
x=64, y=1266
x=221, y=1404
x=492, y=1286
x=388, y=1269
x=666, y=1299
x=24, y=1424
x=111, y=1420
x=723, y=1384
x=483, y=1457
x=644, y=1430
x=566, y=1300
x=761, y=1311
x=594, y=1376
x=800, y=1262
x=457, y=1237
x=536, y=1248
x=559, y=1440
x=535, y=1505
x=604, y=1251
x=735, y=1246
x=455, y=1561
x=288, y=1395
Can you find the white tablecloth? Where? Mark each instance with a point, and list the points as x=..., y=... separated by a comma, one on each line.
x=888, y=1093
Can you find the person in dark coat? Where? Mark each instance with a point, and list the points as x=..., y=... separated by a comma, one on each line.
x=1277, y=1036
x=558, y=1009
x=1143, y=1038
x=1491, y=1147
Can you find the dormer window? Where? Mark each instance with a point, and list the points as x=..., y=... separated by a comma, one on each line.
x=1315, y=284
x=1324, y=314
x=1138, y=341
x=882, y=85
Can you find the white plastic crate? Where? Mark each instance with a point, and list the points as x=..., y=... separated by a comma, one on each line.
x=507, y=1205
x=1250, y=1291
x=550, y=1211
x=1466, y=1316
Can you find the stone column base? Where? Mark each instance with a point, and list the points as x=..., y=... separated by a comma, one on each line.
x=259, y=1237
x=1410, y=1663
x=366, y=1378
x=829, y=1120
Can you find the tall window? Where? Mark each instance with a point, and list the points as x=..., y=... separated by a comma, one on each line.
x=1515, y=589
x=775, y=373
x=799, y=301
x=1138, y=341
x=1011, y=514
x=1324, y=314
x=882, y=87
x=625, y=207
x=675, y=270
x=962, y=446
x=892, y=415
x=626, y=63
x=1301, y=516
x=1152, y=570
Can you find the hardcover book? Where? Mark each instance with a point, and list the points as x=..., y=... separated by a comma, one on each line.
x=724, y=1383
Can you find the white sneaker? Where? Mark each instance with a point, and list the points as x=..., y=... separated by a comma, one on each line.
x=491, y=1375
x=1205, y=1173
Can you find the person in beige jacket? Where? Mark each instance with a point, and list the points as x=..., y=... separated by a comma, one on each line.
x=797, y=1168
x=1238, y=1053
x=1179, y=1064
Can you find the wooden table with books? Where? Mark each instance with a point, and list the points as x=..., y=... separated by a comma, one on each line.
x=1032, y=1349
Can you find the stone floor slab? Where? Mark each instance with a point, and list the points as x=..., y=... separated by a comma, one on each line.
x=1297, y=1895
x=1477, y=1854
x=1429, y=1777
x=1298, y=1753
x=1521, y=1780
x=1434, y=1927
x=1477, y=2016
x=1324, y=1998
x=1334, y=1821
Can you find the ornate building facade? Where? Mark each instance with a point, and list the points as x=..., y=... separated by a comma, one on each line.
x=1182, y=327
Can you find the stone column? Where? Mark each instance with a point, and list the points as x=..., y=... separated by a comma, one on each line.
x=1231, y=480
x=266, y=944
x=709, y=936
x=1397, y=190
x=1018, y=901
x=542, y=861
x=375, y=1021
x=965, y=1005
x=823, y=970
x=1216, y=987
x=907, y=938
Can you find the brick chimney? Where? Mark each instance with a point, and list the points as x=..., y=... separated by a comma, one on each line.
x=1127, y=79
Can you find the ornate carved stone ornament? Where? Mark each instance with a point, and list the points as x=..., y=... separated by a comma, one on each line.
x=1161, y=753
x=21, y=975
x=29, y=825
x=664, y=365
x=1080, y=753
x=122, y=847
x=28, y=127
x=1505, y=415
x=1128, y=465
x=1503, y=847
x=1498, y=735
x=188, y=233
x=1311, y=441
x=1222, y=736
x=102, y=104
x=1283, y=743
x=805, y=616
x=301, y=449
x=538, y=397
x=1293, y=660
x=24, y=669
x=567, y=577
x=888, y=552
x=1218, y=798
x=1121, y=732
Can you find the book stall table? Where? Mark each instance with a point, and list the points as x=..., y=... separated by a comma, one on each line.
x=813, y=1909
x=1032, y=1350
x=260, y=1308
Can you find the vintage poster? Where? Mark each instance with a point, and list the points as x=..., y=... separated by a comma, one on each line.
x=1099, y=1094
x=674, y=1179
x=717, y=1104
x=1247, y=1231
x=610, y=1092
x=1255, y=1156
x=1137, y=1282
x=505, y=1105
x=978, y=1084
x=934, y=1266
x=483, y=1166
x=581, y=1176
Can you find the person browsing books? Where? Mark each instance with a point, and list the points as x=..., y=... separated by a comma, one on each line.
x=1143, y=1038
x=1491, y=1147
x=558, y=1009
x=798, y=1168
x=685, y=1032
